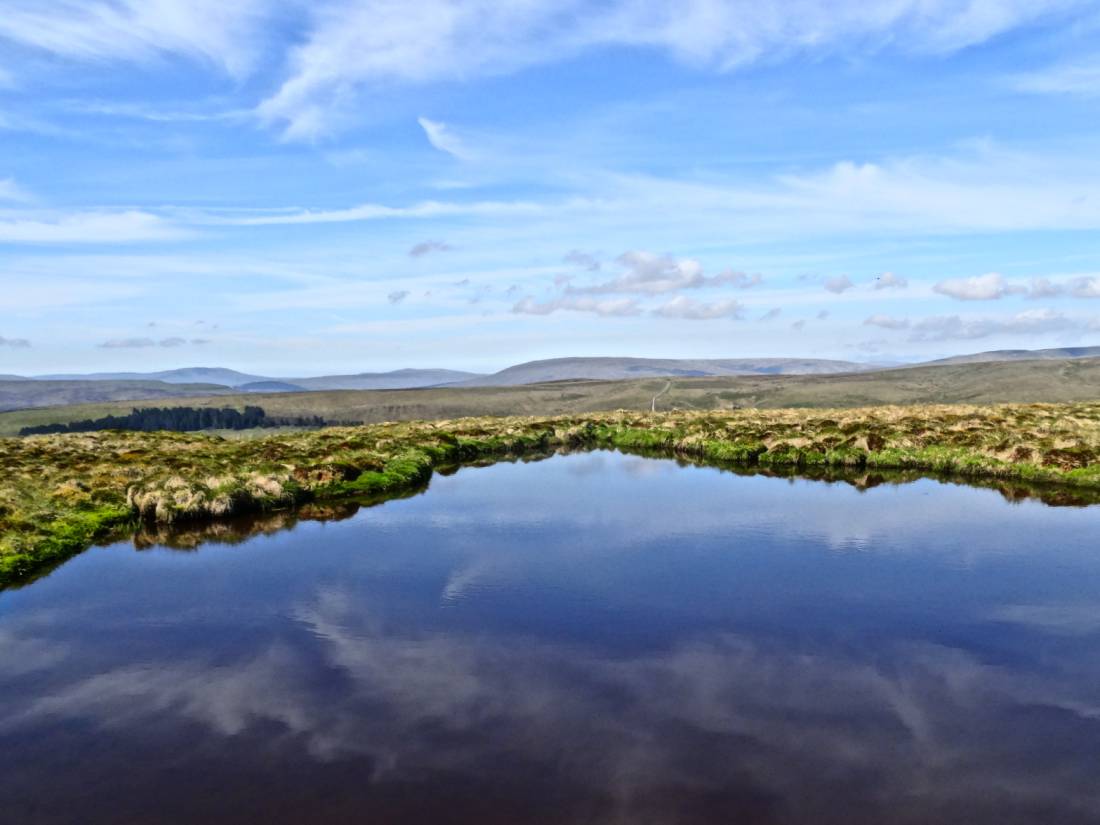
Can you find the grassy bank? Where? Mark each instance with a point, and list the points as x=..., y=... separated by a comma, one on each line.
x=60, y=493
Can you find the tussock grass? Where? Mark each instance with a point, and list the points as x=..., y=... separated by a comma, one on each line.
x=60, y=493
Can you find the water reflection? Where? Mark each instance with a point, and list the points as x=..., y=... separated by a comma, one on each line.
x=596, y=639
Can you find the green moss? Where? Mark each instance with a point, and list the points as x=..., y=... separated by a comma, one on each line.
x=61, y=538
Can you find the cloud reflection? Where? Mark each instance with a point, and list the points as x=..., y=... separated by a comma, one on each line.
x=916, y=725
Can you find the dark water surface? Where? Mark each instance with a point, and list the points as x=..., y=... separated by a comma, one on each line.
x=591, y=638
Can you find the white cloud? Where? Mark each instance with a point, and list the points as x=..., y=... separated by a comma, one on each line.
x=14, y=343
x=1085, y=287
x=224, y=34
x=1082, y=286
x=688, y=309
x=611, y=307
x=442, y=138
x=1068, y=79
x=888, y=280
x=993, y=286
x=988, y=287
x=886, y=322
x=86, y=227
x=1033, y=322
x=980, y=189
x=653, y=274
x=354, y=45
x=838, y=284
x=373, y=212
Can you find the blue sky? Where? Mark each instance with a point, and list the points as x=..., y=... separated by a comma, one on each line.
x=295, y=187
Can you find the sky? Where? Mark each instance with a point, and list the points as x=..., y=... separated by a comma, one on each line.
x=293, y=188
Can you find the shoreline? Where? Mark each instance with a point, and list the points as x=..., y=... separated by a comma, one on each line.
x=75, y=489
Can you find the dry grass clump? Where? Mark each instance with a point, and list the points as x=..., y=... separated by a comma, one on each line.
x=59, y=492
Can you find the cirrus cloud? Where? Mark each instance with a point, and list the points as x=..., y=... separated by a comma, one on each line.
x=352, y=47
x=143, y=343
x=613, y=307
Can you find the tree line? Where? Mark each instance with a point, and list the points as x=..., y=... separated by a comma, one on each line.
x=179, y=419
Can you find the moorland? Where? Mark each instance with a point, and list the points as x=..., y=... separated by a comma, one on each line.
x=1007, y=381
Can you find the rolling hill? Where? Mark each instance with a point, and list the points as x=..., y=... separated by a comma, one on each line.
x=1021, y=355
x=978, y=383
x=619, y=369
x=22, y=394
x=185, y=375
x=18, y=392
x=395, y=380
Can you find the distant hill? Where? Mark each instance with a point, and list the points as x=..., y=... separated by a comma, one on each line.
x=617, y=369
x=185, y=375
x=1021, y=355
x=395, y=380
x=1073, y=379
x=22, y=394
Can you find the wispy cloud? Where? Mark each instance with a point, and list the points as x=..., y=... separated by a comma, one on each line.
x=86, y=227
x=142, y=343
x=398, y=296
x=609, y=307
x=688, y=309
x=444, y=139
x=374, y=212
x=224, y=34
x=14, y=343
x=1081, y=79
x=354, y=46
x=838, y=284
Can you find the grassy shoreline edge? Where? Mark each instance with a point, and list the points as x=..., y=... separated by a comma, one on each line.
x=69, y=491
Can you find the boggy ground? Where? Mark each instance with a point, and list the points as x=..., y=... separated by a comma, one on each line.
x=59, y=493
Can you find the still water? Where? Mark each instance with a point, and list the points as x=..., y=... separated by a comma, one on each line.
x=586, y=639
